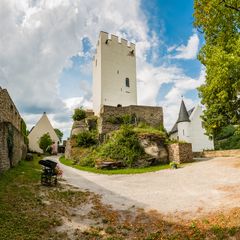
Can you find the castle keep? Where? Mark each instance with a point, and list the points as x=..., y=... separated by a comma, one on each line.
x=12, y=146
x=114, y=73
x=115, y=84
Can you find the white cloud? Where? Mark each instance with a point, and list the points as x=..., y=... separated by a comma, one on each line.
x=189, y=51
x=38, y=39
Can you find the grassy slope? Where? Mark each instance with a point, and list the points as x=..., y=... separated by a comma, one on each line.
x=24, y=214
x=117, y=171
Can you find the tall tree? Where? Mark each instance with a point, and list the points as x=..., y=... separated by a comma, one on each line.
x=59, y=133
x=219, y=21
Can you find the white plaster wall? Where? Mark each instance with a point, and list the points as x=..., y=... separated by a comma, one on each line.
x=184, y=131
x=43, y=126
x=199, y=140
x=96, y=64
x=174, y=136
x=114, y=65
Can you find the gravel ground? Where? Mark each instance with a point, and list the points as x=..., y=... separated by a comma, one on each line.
x=199, y=188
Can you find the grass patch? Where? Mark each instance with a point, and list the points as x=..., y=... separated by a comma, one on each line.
x=70, y=163
x=24, y=213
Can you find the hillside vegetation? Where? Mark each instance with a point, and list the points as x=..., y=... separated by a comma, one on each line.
x=122, y=145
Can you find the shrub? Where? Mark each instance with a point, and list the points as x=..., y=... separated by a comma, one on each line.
x=86, y=139
x=45, y=143
x=123, y=145
x=124, y=119
x=173, y=165
x=228, y=138
x=79, y=114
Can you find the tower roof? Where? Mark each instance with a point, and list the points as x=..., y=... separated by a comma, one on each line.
x=183, y=114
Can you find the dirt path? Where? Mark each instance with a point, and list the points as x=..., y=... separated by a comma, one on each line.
x=196, y=189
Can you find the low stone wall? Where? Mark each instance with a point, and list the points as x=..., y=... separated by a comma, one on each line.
x=150, y=115
x=12, y=146
x=180, y=152
x=217, y=153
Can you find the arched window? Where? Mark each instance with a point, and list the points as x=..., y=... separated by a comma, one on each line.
x=127, y=82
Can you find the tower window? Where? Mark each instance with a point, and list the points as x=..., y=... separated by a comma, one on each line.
x=117, y=71
x=127, y=82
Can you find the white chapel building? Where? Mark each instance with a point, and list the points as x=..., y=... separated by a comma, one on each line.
x=189, y=128
x=43, y=126
x=114, y=73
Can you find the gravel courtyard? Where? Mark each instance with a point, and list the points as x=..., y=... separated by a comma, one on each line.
x=194, y=190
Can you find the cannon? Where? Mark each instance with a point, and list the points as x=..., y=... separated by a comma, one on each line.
x=49, y=173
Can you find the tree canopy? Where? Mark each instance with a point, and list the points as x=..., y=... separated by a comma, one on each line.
x=79, y=114
x=219, y=21
x=45, y=143
x=59, y=133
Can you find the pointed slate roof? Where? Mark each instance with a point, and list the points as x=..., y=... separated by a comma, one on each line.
x=183, y=114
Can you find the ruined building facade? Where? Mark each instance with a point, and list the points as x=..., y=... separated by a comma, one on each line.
x=12, y=146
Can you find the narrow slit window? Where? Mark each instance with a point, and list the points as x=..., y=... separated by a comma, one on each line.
x=127, y=82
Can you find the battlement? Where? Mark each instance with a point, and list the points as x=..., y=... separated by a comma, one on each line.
x=107, y=37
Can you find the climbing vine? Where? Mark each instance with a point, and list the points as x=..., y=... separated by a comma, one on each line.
x=10, y=144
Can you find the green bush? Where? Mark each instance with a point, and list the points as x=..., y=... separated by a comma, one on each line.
x=79, y=114
x=225, y=132
x=232, y=142
x=228, y=138
x=124, y=119
x=88, y=161
x=123, y=145
x=45, y=143
x=86, y=139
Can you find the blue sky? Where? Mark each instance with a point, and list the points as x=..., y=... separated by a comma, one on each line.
x=48, y=47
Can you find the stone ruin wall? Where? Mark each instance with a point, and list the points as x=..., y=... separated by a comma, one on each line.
x=151, y=115
x=10, y=124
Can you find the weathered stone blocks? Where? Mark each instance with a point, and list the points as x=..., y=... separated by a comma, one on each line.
x=150, y=115
x=180, y=152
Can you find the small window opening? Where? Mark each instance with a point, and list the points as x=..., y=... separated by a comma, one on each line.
x=183, y=132
x=119, y=105
x=117, y=71
x=127, y=82
x=96, y=62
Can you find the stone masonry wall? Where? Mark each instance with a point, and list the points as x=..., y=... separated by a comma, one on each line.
x=10, y=133
x=151, y=115
x=180, y=152
x=8, y=111
x=19, y=149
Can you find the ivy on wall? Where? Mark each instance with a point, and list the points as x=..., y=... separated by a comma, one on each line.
x=10, y=144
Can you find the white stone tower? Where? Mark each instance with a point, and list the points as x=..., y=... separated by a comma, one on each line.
x=114, y=73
